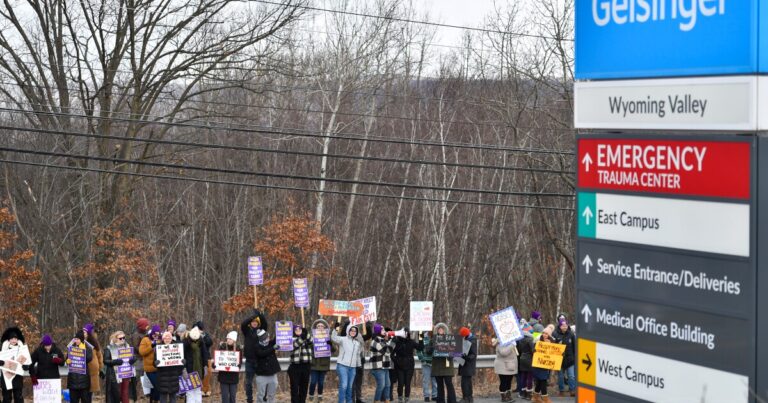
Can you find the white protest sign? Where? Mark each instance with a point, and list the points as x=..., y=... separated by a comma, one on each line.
x=169, y=355
x=226, y=361
x=369, y=311
x=506, y=326
x=421, y=316
x=47, y=391
x=14, y=357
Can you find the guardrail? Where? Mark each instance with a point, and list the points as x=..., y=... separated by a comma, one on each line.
x=483, y=361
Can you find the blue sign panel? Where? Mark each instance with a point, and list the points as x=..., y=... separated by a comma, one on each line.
x=667, y=38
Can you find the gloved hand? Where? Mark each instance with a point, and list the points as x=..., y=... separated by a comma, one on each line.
x=102, y=375
x=183, y=361
x=57, y=361
x=132, y=360
x=277, y=347
x=25, y=367
x=156, y=363
x=2, y=363
x=34, y=380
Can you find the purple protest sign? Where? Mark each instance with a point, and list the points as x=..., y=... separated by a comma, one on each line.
x=301, y=293
x=76, y=358
x=255, y=271
x=125, y=370
x=284, y=335
x=189, y=382
x=320, y=343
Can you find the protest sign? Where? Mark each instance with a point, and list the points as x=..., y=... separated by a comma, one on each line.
x=329, y=307
x=47, y=391
x=13, y=358
x=188, y=382
x=255, y=271
x=77, y=363
x=125, y=370
x=548, y=355
x=300, y=293
x=550, y=348
x=369, y=311
x=421, y=316
x=320, y=344
x=169, y=355
x=284, y=334
x=226, y=361
x=448, y=345
x=507, y=326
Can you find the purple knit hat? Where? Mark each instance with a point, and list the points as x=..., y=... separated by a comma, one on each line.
x=377, y=328
x=88, y=328
x=47, y=340
x=154, y=329
x=535, y=315
x=172, y=323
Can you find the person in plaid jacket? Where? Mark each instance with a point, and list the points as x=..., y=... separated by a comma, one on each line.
x=381, y=350
x=301, y=364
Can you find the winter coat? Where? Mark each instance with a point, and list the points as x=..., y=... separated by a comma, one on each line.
x=19, y=354
x=469, y=367
x=266, y=359
x=80, y=381
x=6, y=345
x=42, y=362
x=525, y=349
x=135, y=341
x=349, y=348
x=94, y=369
x=204, y=356
x=168, y=377
x=111, y=362
x=381, y=353
x=323, y=364
x=250, y=338
x=147, y=353
x=403, y=355
x=425, y=350
x=439, y=367
x=302, y=349
x=230, y=378
x=569, y=339
x=506, y=360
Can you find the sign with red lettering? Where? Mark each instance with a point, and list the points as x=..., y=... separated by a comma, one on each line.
x=694, y=168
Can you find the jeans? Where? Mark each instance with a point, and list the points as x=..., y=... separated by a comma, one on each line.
x=571, y=379
x=250, y=373
x=346, y=380
x=316, y=378
x=427, y=380
x=382, y=384
x=299, y=377
x=445, y=391
x=228, y=392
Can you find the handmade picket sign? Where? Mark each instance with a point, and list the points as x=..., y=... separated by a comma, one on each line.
x=47, y=391
x=14, y=358
x=226, y=361
x=507, y=326
x=421, y=316
x=169, y=355
x=548, y=355
x=329, y=307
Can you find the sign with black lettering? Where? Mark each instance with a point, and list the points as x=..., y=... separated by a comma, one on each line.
x=448, y=345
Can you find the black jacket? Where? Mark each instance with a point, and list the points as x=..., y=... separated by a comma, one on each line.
x=266, y=359
x=470, y=359
x=525, y=350
x=251, y=340
x=569, y=339
x=204, y=355
x=80, y=381
x=403, y=355
x=230, y=378
x=42, y=363
x=168, y=378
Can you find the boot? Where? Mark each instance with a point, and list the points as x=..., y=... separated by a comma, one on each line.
x=311, y=398
x=545, y=399
x=536, y=398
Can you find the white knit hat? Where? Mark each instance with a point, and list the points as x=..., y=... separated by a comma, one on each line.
x=232, y=335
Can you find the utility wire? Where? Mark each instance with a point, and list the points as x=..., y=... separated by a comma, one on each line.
x=429, y=23
x=274, y=151
x=212, y=181
x=307, y=133
x=277, y=175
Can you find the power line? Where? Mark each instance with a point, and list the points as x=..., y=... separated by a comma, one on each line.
x=277, y=175
x=308, y=134
x=274, y=151
x=212, y=181
x=429, y=23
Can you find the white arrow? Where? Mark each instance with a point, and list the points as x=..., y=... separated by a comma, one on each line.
x=586, y=312
x=587, y=214
x=587, y=262
x=587, y=160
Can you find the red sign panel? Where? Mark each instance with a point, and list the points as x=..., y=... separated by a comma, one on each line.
x=695, y=168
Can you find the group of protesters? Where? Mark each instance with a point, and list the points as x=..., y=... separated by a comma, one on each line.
x=392, y=356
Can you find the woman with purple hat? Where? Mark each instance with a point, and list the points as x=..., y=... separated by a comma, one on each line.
x=381, y=350
x=46, y=360
x=564, y=335
x=97, y=363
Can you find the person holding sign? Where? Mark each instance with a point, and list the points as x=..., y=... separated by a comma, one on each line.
x=424, y=352
x=167, y=384
x=322, y=349
x=541, y=375
x=350, y=347
x=250, y=328
x=443, y=369
x=229, y=373
x=78, y=378
x=564, y=335
x=267, y=367
x=505, y=366
x=119, y=360
x=46, y=360
x=13, y=347
x=301, y=362
x=467, y=368
x=147, y=352
x=525, y=348
x=196, y=353
x=382, y=347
